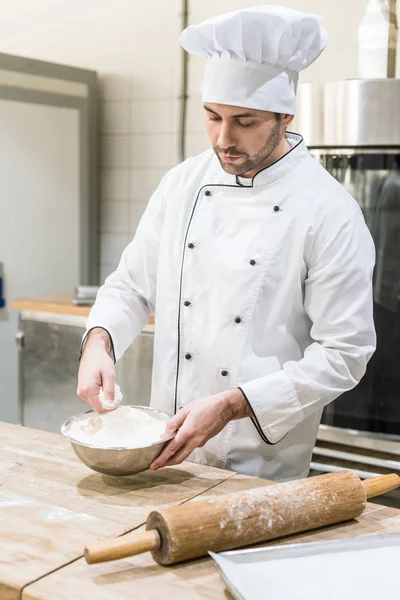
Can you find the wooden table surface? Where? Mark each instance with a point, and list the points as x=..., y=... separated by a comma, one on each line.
x=142, y=578
x=59, y=304
x=52, y=506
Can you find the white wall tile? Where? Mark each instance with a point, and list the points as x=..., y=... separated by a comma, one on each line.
x=199, y=10
x=154, y=150
x=177, y=7
x=111, y=247
x=116, y=86
x=176, y=79
x=174, y=150
x=176, y=115
x=153, y=82
x=136, y=210
x=153, y=116
x=114, y=184
x=196, y=118
x=196, y=143
x=156, y=54
x=144, y=182
x=115, y=117
x=196, y=75
x=114, y=217
x=114, y=151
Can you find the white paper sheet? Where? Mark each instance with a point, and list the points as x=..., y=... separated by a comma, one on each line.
x=350, y=570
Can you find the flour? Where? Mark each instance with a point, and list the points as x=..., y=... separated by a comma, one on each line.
x=60, y=514
x=125, y=427
x=264, y=506
x=111, y=404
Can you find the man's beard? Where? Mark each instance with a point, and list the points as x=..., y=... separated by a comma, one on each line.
x=252, y=162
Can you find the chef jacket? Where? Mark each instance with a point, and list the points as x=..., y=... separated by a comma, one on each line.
x=265, y=287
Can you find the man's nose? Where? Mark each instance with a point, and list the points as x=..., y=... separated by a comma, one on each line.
x=225, y=138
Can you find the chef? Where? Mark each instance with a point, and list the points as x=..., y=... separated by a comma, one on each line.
x=255, y=261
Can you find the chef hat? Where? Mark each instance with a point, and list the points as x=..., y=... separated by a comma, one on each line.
x=254, y=55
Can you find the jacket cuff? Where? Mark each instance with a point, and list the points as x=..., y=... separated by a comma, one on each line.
x=275, y=406
x=85, y=338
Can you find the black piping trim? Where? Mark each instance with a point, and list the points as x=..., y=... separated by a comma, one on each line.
x=240, y=184
x=265, y=168
x=282, y=157
x=109, y=335
x=219, y=185
x=258, y=426
x=181, y=280
x=180, y=302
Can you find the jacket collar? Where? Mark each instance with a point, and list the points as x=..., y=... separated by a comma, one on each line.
x=282, y=167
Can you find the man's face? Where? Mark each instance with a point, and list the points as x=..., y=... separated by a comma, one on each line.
x=242, y=138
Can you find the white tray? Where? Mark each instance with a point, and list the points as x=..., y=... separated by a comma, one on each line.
x=365, y=568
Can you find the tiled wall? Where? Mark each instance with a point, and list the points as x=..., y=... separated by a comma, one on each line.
x=139, y=122
x=135, y=50
x=138, y=144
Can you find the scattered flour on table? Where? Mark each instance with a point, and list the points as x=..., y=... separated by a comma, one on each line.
x=125, y=427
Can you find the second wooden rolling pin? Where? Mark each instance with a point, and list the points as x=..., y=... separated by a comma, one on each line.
x=233, y=520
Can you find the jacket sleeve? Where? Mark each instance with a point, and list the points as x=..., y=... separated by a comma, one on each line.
x=127, y=299
x=338, y=301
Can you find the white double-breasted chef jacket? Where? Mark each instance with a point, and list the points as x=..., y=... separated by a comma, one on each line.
x=264, y=287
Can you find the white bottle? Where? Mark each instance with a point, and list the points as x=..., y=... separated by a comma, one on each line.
x=377, y=40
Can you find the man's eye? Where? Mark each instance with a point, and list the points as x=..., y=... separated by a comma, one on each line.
x=246, y=124
x=214, y=119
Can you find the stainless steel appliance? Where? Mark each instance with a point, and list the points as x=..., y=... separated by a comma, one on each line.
x=353, y=129
x=48, y=345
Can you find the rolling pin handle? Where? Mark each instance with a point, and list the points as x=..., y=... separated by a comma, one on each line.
x=122, y=547
x=380, y=485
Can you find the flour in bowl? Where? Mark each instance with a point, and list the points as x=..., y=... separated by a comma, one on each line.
x=125, y=427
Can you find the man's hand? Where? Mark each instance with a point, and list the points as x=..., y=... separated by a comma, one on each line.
x=199, y=421
x=96, y=370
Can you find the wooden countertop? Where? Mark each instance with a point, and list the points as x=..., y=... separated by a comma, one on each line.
x=53, y=506
x=140, y=577
x=59, y=304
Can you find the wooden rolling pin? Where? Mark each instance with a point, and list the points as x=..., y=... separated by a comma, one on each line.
x=225, y=522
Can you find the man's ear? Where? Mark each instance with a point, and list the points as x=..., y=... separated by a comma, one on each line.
x=287, y=119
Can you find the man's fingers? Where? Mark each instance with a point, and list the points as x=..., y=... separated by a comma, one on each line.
x=93, y=399
x=169, y=450
x=89, y=392
x=95, y=403
x=96, y=370
x=108, y=384
x=181, y=455
x=176, y=422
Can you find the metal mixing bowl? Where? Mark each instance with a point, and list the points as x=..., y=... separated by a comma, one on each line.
x=117, y=461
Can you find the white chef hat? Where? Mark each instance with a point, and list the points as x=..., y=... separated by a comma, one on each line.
x=254, y=55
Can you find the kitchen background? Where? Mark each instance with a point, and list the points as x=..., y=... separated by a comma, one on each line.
x=134, y=48
x=126, y=54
